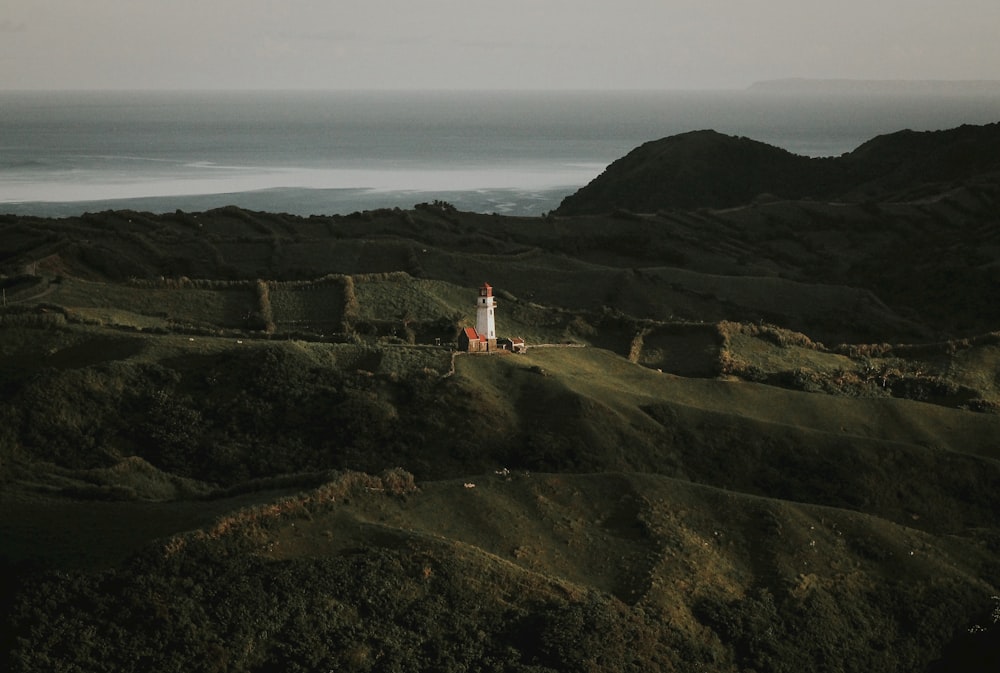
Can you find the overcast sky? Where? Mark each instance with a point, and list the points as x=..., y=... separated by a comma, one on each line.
x=500, y=44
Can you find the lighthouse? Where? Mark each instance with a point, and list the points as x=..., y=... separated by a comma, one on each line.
x=485, y=321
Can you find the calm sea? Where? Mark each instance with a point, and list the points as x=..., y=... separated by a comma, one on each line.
x=65, y=153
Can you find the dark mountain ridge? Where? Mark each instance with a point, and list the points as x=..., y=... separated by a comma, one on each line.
x=707, y=169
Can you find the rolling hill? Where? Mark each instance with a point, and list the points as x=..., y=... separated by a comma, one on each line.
x=707, y=169
x=749, y=433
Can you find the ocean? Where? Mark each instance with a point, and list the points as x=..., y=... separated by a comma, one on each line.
x=519, y=153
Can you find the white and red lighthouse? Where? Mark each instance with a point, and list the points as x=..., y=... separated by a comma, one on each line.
x=485, y=320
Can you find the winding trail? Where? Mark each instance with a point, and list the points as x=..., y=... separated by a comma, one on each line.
x=23, y=296
x=455, y=354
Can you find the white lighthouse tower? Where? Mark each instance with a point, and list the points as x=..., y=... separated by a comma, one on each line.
x=485, y=322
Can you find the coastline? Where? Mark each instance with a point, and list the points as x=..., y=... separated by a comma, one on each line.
x=305, y=202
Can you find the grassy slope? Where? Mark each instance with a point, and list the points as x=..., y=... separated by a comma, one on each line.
x=660, y=543
x=609, y=380
x=840, y=273
x=535, y=572
x=723, y=522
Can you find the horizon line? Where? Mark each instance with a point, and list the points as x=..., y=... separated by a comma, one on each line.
x=792, y=82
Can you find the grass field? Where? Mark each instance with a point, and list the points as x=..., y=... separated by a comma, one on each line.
x=227, y=305
x=758, y=439
x=313, y=307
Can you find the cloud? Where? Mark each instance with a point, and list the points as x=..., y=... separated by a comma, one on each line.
x=515, y=44
x=462, y=43
x=325, y=36
x=8, y=26
x=431, y=39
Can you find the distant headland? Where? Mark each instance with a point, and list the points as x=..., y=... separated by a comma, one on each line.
x=888, y=86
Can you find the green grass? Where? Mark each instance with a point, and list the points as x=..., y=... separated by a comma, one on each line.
x=759, y=508
x=771, y=357
x=613, y=381
x=409, y=361
x=118, y=318
x=525, y=572
x=953, y=374
x=95, y=529
x=401, y=297
x=978, y=368
x=315, y=307
x=225, y=306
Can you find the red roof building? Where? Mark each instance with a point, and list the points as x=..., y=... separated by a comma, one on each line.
x=471, y=341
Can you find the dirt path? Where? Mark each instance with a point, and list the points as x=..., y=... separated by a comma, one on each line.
x=28, y=294
x=455, y=354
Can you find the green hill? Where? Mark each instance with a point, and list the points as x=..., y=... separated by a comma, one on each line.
x=753, y=438
x=713, y=170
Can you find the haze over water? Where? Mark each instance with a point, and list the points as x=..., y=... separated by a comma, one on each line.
x=65, y=153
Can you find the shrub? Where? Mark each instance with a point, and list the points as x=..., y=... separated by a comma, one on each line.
x=265, y=314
